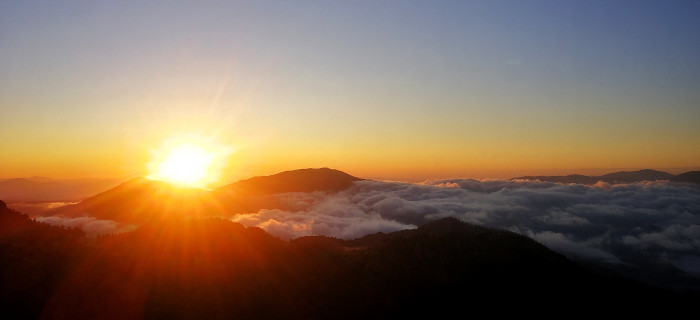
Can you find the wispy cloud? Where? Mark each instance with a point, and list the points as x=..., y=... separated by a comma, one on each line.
x=90, y=225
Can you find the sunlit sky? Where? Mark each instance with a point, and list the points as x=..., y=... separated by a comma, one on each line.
x=403, y=90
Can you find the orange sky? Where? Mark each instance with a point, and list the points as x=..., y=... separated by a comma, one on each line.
x=406, y=91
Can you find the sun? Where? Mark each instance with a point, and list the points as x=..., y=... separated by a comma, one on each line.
x=188, y=162
x=185, y=164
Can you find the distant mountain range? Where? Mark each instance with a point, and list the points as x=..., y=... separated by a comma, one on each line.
x=217, y=269
x=41, y=189
x=619, y=177
x=46, y=189
x=140, y=200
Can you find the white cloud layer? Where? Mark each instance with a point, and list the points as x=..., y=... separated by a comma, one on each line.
x=604, y=222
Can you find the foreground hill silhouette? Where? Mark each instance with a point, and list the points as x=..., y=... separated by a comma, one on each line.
x=615, y=177
x=33, y=258
x=141, y=200
x=216, y=269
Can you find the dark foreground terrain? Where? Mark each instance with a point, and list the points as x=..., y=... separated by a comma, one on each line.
x=217, y=269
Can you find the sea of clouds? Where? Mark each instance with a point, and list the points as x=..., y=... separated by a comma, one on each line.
x=603, y=222
x=620, y=224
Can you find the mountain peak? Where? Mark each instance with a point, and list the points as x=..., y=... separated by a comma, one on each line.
x=300, y=180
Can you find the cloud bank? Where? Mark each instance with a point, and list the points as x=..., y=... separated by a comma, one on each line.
x=610, y=223
x=90, y=225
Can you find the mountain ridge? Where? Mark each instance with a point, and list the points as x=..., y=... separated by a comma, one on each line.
x=299, y=180
x=688, y=177
x=619, y=177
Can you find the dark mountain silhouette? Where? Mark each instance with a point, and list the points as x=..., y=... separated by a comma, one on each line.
x=216, y=269
x=616, y=177
x=635, y=176
x=690, y=177
x=302, y=180
x=140, y=200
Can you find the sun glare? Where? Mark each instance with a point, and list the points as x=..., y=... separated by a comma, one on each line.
x=188, y=163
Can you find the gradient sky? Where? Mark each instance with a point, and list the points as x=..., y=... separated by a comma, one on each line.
x=404, y=90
